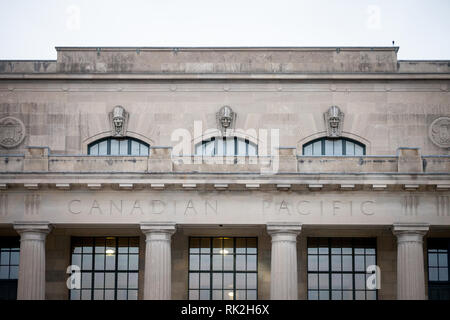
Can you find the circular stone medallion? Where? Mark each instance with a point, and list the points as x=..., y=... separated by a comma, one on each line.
x=12, y=132
x=439, y=132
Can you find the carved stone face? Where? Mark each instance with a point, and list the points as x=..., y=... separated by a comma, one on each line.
x=118, y=117
x=334, y=122
x=118, y=123
x=226, y=121
x=225, y=117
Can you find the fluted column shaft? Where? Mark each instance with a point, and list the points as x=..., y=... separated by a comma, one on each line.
x=158, y=260
x=283, y=275
x=410, y=261
x=31, y=284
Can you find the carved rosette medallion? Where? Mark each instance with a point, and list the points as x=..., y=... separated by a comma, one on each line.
x=439, y=132
x=12, y=132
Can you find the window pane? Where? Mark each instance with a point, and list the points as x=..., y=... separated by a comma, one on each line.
x=317, y=148
x=329, y=147
x=114, y=147
x=103, y=148
x=443, y=274
x=240, y=281
x=242, y=149
x=359, y=151
x=209, y=148
x=338, y=147
x=194, y=280
x=194, y=262
x=313, y=281
x=349, y=148
x=134, y=148
x=251, y=280
x=443, y=260
x=133, y=280
x=217, y=280
x=230, y=146
x=323, y=281
x=251, y=263
x=312, y=263
x=220, y=147
x=123, y=147
x=336, y=281
x=252, y=149
x=144, y=150
x=307, y=150
x=93, y=150
x=204, y=280
x=240, y=262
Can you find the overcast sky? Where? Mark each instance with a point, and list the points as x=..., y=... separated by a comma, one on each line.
x=30, y=29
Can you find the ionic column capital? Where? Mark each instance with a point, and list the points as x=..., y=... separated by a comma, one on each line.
x=284, y=231
x=410, y=232
x=158, y=230
x=32, y=230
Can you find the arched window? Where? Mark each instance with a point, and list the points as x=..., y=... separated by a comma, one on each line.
x=226, y=146
x=334, y=147
x=118, y=147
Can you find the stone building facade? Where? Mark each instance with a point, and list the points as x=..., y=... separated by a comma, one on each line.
x=225, y=173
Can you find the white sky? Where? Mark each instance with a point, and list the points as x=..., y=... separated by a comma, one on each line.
x=30, y=29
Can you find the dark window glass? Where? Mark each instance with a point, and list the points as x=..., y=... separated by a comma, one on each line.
x=9, y=267
x=118, y=147
x=337, y=268
x=438, y=269
x=223, y=268
x=226, y=146
x=333, y=147
x=109, y=268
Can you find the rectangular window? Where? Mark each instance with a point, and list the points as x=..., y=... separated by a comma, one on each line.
x=109, y=268
x=438, y=270
x=9, y=267
x=337, y=268
x=223, y=268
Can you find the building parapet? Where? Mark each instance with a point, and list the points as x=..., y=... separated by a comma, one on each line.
x=222, y=61
x=407, y=160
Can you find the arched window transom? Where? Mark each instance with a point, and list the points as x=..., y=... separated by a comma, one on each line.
x=334, y=147
x=118, y=147
x=226, y=146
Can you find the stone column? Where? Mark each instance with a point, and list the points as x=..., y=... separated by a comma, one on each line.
x=283, y=275
x=32, y=259
x=410, y=260
x=158, y=261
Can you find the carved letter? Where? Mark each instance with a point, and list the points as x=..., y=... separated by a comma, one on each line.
x=70, y=206
x=95, y=205
x=363, y=210
x=136, y=205
x=155, y=204
x=112, y=204
x=190, y=205
x=299, y=210
x=208, y=204
x=283, y=206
